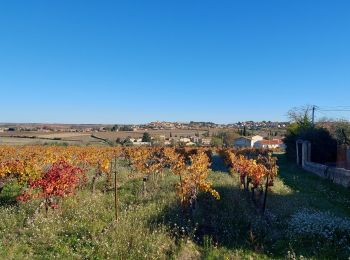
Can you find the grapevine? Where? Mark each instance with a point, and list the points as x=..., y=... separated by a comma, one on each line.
x=60, y=180
x=256, y=170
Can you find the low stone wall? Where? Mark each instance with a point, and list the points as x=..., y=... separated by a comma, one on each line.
x=337, y=175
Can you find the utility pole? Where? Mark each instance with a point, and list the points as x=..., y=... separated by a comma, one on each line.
x=313, y=115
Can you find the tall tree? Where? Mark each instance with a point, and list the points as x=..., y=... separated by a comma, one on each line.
x=301, y=116
x=146, y=137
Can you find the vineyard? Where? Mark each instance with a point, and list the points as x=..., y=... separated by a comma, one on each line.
x=158, y=202
x=32, y=165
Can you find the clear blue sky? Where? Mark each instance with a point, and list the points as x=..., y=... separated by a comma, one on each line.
x=138, y=61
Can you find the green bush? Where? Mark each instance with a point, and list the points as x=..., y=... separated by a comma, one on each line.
x=323, y=145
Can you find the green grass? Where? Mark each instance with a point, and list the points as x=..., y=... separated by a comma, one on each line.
x=153, y=226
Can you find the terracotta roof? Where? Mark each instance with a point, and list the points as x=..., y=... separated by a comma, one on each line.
x=271, y=142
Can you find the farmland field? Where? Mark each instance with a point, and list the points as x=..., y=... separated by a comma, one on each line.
x=305, y=217
x=26, y=138
x=84, y=138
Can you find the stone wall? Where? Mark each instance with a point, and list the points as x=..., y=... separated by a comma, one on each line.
x=339, y=176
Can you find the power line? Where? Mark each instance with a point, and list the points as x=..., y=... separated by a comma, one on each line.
x=334, y=108
x=331, y=107
x=329, y=111
x=321, y=112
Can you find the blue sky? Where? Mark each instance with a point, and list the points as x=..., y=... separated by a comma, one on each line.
x=140, y=61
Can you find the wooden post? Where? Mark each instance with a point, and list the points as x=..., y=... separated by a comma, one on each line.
x=46, y=207
x=253, y=194
x=144, y=188
x=115, y=190
x=267, y=182
x=109, y=176
x=265, y=195
x=97, y=173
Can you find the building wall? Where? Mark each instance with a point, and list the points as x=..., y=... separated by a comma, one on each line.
x=206, y=141
x=270, y=146
x=258, y=144
x=255, y=139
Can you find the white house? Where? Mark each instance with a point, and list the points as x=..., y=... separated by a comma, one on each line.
x=138, y=141
x=247, y=141
x=255, y=139
x=185, y=140
x=206, y=141
x=195, y=139
x=141, y=143
x=270, y=144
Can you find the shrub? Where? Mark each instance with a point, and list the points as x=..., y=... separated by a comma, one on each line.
x=323, y=145
x=60, y=180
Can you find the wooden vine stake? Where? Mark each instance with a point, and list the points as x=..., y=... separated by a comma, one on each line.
x=271, y=171
x=97, y=173
x=265, y=195
x=115, y=190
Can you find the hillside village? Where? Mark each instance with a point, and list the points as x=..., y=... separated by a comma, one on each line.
x=157, y=125
x=263, y=134
x=256, y=141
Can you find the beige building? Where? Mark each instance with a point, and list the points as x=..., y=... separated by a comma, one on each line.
x=247, y=141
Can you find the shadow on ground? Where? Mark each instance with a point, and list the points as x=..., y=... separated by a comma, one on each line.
x=9, y=193
x=234, y=223
x=217, y=164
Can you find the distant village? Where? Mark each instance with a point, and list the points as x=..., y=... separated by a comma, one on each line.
x=264, y=134
x=256, y=141
x=250, y=125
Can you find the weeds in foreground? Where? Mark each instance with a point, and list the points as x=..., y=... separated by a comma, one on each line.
x=155, y=227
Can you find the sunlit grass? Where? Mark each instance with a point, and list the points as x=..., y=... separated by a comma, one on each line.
x=153, y=225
